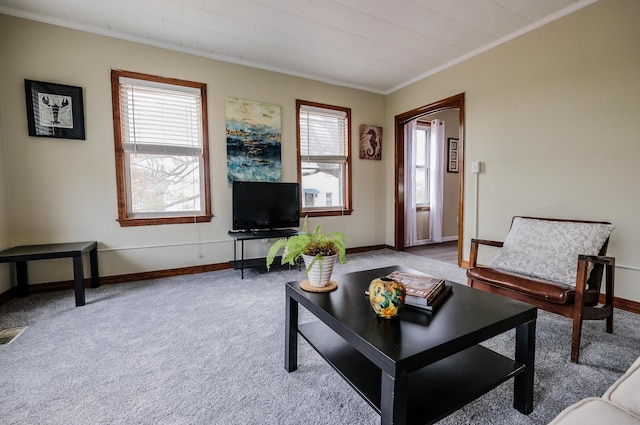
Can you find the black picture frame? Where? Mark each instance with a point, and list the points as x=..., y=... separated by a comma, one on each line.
x=452, y=155
x=54, y=110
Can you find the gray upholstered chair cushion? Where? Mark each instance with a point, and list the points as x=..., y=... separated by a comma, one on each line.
x=549, y=249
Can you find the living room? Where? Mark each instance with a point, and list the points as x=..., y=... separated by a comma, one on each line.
x=552, y=116
x=563, y=78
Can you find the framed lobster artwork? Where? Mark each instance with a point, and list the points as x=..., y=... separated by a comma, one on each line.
x=54, y=110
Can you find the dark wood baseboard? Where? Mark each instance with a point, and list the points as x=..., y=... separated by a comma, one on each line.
x=109, y=280
x=366, y=248
x=623, y=304
x=132, y=277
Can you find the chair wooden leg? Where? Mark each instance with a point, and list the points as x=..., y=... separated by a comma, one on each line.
x=610, y=270
x=609, y=318
x=576, y=335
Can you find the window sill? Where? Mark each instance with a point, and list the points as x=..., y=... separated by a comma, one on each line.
x=325, y=213
x=154, y=221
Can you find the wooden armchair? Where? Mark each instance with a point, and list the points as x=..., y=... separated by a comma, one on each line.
x=579, y=302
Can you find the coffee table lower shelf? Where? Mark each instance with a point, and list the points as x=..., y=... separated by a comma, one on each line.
x=434, y=391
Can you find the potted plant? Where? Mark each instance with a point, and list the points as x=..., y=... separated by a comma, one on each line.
x=319, y=251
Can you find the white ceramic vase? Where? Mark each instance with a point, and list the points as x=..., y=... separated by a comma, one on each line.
x=320, y=272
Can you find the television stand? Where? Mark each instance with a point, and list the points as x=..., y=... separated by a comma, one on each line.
x=248, y=235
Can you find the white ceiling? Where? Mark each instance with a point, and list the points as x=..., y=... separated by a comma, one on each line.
x=375, y=45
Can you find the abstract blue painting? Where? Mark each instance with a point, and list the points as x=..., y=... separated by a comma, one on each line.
x=254, y=133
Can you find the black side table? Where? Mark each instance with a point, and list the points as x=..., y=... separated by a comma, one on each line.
x=21, y=254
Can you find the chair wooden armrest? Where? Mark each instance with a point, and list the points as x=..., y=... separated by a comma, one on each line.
x=600, y=259
x=601, y=264
x=475, y=243
x=607, y=265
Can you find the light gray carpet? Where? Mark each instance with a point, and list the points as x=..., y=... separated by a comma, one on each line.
x=209, y=349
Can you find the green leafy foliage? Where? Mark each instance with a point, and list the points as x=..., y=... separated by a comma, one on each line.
x=317, y=244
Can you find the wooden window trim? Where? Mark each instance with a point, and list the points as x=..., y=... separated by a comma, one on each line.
x=347, y=209
x=123, y=218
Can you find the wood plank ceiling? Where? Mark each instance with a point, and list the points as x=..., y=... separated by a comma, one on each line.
x=374, y=45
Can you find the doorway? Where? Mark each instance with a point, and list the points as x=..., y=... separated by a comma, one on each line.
x=454, y=102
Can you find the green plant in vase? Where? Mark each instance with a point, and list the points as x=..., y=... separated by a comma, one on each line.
x=316, y=248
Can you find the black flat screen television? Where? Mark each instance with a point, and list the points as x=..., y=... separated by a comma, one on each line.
x=265, y=205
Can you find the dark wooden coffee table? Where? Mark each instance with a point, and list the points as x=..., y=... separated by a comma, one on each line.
x=421, y=366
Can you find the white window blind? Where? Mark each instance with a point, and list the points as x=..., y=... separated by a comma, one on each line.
x=323, y=133
x=160, y=118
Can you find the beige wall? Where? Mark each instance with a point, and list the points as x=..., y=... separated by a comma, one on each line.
x=65, y=190
x=554, y=117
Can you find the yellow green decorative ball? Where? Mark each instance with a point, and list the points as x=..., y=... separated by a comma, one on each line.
x=386, y=297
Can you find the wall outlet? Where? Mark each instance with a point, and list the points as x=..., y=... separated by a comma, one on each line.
x=475, y=166
x=264, y=240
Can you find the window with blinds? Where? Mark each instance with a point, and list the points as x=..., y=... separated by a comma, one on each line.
x=161, y=149
x=324, y=145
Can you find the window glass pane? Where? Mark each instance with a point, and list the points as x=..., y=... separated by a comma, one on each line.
x=322, y=184
x=421, y=186
x=162, y=183
x=423, y=156
x=421, y=148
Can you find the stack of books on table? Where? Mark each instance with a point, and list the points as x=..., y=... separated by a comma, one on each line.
x=423, y=292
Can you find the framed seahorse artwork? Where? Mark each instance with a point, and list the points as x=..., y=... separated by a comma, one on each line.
x=370, y=142
x=54, y=110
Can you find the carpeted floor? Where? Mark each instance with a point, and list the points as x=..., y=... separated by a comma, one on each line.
x=209, y=349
